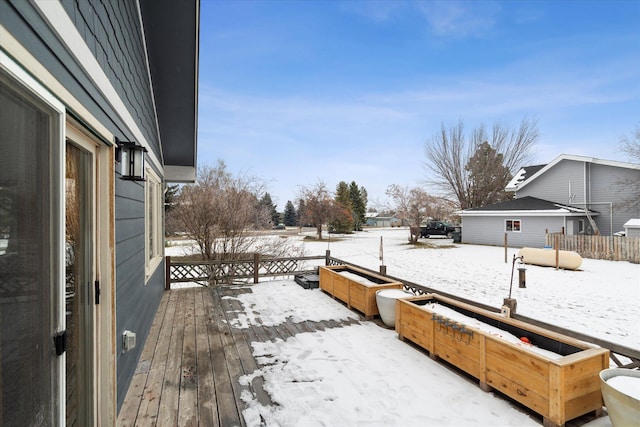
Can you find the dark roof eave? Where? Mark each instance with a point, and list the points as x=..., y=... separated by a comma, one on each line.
x=172, y=35
x=529, y=205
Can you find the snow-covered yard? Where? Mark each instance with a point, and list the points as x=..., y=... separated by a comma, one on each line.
x=364, y=375
x=601, y=299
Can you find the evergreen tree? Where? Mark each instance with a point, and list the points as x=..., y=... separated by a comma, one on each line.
x=301, y=214
x=488, y=177
x=358, y=196
x=353, y=199
x=343, y=220
x=267, y=204
x=170, y=196
x=342, y=194
x=290, y=216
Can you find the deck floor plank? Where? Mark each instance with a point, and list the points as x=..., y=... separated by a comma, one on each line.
x=207, y=408
x=243, y=339
x=188, y=394
x=150, y=403
x=227, y=407
x=168, y=413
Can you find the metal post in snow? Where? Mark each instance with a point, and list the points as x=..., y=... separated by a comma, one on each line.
x=383, y=268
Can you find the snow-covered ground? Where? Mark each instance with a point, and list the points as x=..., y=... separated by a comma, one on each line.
x=362, y=375
x=601, y=299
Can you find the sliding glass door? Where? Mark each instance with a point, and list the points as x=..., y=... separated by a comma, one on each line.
x=30, y=258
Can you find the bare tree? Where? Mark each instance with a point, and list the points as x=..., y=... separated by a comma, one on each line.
x=629, y=187
x=631, y=146
x=449, y=151
x=317, y=207
x=219, y=211
x=412, y=205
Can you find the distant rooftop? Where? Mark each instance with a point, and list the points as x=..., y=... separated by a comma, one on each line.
x=522, y=175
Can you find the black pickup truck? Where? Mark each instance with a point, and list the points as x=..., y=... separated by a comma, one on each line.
x=437, y=228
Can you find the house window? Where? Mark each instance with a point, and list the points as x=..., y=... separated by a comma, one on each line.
x=580, y=226
x=512, y=225
x=153, y=221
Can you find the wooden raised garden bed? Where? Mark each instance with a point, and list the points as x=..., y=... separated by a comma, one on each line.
x=552, y=374
x=356, y=287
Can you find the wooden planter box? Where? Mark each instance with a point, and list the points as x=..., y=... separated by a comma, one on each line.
x=359, y=292
x=559, y=386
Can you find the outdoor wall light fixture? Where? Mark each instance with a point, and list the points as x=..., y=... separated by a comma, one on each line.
x=131, y=158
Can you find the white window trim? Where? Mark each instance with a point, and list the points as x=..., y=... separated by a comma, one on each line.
x=154, y=252
x=506, y=229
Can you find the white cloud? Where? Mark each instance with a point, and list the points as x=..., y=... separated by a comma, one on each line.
x=459, y=19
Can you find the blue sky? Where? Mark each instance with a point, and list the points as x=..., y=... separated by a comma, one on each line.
x=296, y=92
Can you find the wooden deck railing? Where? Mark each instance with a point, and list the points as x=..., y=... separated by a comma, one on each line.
x=213, y=272
x=611, y=248
x=208, y=273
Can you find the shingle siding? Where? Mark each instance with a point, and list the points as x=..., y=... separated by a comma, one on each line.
x=136, y=301
x=111, y=30
x=141, y=302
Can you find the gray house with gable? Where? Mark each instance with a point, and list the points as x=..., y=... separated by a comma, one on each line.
x=574, y=194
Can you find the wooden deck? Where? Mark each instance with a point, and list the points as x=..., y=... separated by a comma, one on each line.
x=189, y=370
x=192, y=360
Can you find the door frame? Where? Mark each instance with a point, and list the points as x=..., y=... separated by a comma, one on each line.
x=104, y=360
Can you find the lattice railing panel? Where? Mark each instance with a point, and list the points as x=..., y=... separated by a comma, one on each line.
x=277, y=266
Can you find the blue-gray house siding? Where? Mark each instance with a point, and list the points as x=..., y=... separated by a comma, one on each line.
x=112, y=31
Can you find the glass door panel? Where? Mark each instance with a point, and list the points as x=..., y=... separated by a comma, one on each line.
x=29, y=258
x=79, y=293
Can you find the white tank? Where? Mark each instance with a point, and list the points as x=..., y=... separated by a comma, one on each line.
x=386, y=300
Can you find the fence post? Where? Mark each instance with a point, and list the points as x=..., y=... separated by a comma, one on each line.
x=256, y=266
x=505, y=248
x=557, y=252
x=167, y=273
x=327, y=255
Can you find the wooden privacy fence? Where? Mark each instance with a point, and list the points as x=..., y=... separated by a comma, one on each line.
x=611, y=248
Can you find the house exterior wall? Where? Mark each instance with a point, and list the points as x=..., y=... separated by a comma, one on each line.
x=604, y=188
x=111, y=31
x=612, y=191
x=633, y=232
x=564, y=183
x=490, y=230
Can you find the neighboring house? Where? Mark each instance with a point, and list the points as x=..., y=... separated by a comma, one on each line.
x=574, y=194
x=524, y=220
x=81, y=234
x=382, y=221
